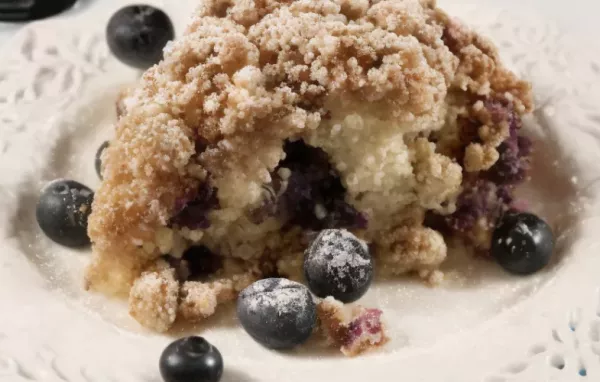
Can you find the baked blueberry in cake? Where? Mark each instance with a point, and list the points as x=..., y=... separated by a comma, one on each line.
x=267, y=122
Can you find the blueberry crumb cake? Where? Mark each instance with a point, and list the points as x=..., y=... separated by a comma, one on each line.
x=366, y=127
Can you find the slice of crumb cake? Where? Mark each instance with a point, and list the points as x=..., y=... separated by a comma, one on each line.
x=270, y=120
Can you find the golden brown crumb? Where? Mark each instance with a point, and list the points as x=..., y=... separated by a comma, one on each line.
x=479, y=157
x=291, y=266
x=144, y=172
x=493, y=135
x=332, y=318
x=438, y=178
x=434, y=277
x=153, y=298
x=410, y=248
x=480, y=235
x=200, y=299
x=353, y=329
x=480, y=71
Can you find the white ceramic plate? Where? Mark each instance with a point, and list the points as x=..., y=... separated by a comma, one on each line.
x=57, y=90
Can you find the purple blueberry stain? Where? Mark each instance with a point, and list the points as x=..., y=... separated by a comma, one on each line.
x=491, y=194
x=313, y=197
x=193, y=208
x=196, y=264
x=482, y=198
x=513, y=163
x=369, y=321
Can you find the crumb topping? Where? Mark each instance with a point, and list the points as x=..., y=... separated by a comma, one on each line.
x=389, y=90
x=480, y=71
x=200, y=299
x=354, y=330
x=479, y=157
x=153, y=297
x=410, y=248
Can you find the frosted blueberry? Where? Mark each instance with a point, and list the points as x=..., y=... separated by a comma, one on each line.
x=276, y=312
x=338, y=264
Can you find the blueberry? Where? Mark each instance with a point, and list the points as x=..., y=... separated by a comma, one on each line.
x=193, y=208
x=338, y=264
x=196, y=264
x=314, y=185
x=277, y=313
x=137, y=34
x=201, y=261
x=522, y=243
x=98, y=161
x=191, y=359
x=62, y=212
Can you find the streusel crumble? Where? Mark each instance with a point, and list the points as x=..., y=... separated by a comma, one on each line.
x=268, y=121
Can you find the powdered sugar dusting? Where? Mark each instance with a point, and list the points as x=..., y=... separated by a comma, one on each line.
x=153, y=297
x=282, y=295
x=522, y=228
x=284, y=298
x=340, y=253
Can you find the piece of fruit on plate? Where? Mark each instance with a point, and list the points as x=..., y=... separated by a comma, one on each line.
x=268, y=122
